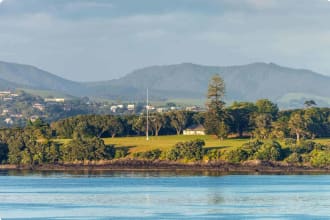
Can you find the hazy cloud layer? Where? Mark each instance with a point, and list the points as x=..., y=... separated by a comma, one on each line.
x=95, y=39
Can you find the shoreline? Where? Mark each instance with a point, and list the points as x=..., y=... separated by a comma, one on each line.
x=265, y=167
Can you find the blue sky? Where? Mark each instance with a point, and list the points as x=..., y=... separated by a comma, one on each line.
x=88, y=40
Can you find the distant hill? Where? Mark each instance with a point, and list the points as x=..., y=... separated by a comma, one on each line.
x=287, y=86
x=245, y=83
x=26, y=76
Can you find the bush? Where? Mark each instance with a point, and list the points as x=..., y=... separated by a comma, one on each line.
x=271, y=151
x=190, y=150
x=213, y=154
x=303, y=147
x=109, y=152
x=294, y=158
x=149, y=155
x=320, y=158
x=252, y=147
x=237, y=155
x=245, y=152
x=121, y=153
x=3, y=153
x=289, y=141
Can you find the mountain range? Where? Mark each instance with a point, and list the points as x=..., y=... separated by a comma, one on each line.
x=288, y=87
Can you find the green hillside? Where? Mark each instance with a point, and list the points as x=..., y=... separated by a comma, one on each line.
x=26, y=76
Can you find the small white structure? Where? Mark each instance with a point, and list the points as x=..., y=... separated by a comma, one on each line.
x=9, y=121
x=194, y=130
x=5, y=112
x=3, y=93
x=7, y=99
x=161, y=109
x=33, y=118
x=150, y=107
x=54, y=99
x=16, y=115
x=39, y=106
x=113, y=108
x=130, y=107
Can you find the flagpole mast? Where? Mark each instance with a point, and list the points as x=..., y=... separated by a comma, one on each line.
x=147, y=132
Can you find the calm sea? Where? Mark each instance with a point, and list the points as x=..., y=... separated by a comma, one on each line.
x=162, y=195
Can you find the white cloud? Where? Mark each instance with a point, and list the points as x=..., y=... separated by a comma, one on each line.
x=106, y=47
x=82, y=5
x=263, y=4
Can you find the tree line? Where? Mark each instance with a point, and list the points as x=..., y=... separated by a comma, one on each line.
x=260, y=120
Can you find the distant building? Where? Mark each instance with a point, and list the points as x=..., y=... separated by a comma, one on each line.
x=7, y=99
x=34, y=118
x=194, y=130
x=39, y=106
x=161, y=109
x=113, y=108
x=9, y=121
x=173, y=108
x=150, y=107
x=5, y=111
x=16, y=115
x=130, y=107
x=54, y=99
x=3, y=93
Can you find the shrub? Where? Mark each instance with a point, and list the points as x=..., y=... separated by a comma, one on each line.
x=252, y=147
x=190, y=150
x=237, y=155
x=289, y=141
x=270, y=151
x=109, y=152
x=245, y=152
x=121, y=153
x=150, y=155
x=320, y=158
x=303, y=147
x=3, y=153
x=294, y=158
x=213, y=154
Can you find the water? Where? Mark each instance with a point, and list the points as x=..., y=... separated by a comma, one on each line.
x=159, y=195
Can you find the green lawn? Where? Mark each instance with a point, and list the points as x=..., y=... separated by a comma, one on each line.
x=322, y=140
x=140, y=144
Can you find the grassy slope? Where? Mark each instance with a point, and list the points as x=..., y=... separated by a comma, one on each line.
x=139, y=144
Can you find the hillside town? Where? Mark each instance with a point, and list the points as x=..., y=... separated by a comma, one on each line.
x=18, y=107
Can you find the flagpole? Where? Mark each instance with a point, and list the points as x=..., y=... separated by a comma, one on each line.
x=147, y=132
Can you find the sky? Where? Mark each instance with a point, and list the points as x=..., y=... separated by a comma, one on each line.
x=95, y=40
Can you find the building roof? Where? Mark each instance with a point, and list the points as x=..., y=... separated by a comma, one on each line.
x=196, y=128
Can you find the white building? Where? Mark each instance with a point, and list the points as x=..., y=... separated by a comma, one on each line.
x=130, y=107
x=9, y=121
x=39, y=106
x=194, y=130
x=113, y=108
x=54, y=99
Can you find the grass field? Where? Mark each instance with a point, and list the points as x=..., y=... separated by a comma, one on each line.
x=140, y=144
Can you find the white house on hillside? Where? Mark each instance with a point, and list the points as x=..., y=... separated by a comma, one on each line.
x=194, y=130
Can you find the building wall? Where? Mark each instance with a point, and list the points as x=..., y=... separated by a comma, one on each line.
x=191, y=132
